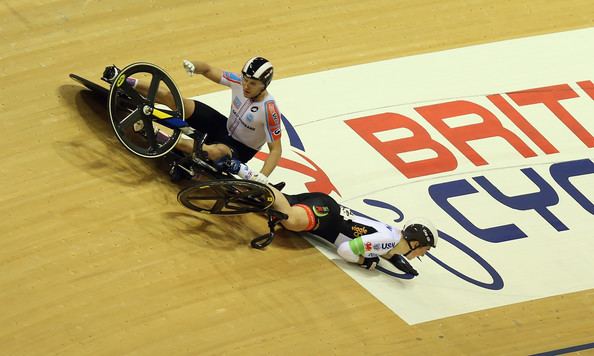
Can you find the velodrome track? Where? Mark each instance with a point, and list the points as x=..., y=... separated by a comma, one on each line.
x=98, y=257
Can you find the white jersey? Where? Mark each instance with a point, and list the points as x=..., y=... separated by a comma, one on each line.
x=252, y=123
x=372, y=238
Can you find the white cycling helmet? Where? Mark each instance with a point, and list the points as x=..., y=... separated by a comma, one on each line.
x=260, y=69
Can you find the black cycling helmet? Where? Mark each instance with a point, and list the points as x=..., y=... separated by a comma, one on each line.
x=260, y=69
x=420, y=230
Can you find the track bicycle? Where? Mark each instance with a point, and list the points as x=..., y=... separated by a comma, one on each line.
x=151, y=130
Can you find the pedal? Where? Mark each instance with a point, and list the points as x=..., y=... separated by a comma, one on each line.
x=110, y=74
x=138, y=127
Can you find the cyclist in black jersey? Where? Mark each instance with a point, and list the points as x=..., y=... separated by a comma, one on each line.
x=358, y=239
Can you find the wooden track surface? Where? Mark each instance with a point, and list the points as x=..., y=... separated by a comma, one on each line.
x=97, y=256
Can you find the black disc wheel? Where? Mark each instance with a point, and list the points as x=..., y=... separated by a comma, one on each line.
x=136, y=116
x=227, y=197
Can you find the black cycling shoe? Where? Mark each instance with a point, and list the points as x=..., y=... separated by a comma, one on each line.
x=110, y=73
x=279, y=186
x=402, y=264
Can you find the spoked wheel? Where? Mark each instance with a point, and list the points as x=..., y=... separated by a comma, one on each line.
x=227, y=197
x=135, y=115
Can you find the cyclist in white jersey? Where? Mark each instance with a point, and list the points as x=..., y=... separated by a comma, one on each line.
x=358, y=239
x=254, y=118
x=253, y=122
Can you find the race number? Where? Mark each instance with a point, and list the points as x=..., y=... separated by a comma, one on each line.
x=346, y=212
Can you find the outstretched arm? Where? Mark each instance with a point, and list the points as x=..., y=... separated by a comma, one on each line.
x=353, y=252
x=198, y=67
x=402, y=264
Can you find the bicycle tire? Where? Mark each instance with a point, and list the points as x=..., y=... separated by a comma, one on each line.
x=141, y=109
x=227, y=197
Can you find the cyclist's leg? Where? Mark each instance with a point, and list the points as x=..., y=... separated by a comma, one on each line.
x=322, y=211
x=207, y=120
x=214, y=151
x=241, y=151
x=189, y=107
x=298, y=220
x=163, y=96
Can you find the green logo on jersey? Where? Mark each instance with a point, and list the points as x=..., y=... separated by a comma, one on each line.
x=321, y=211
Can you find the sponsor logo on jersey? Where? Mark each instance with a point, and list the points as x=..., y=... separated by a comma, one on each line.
x=321, y=211
x=345, y=212
x=254, y=109
x=246, y=125
x=359, y=230
x=368, y=246
x=273, y=120
x=384, y=246
x=236, y=102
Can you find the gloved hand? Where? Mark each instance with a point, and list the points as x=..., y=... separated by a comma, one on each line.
x=370, y=263
x=189, y=67
x=260, y=178
x=229, y=165
x=402, y=264
x=234, y=166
